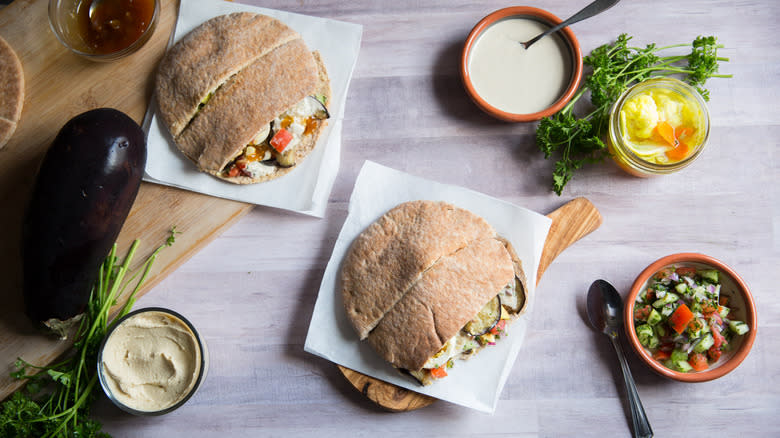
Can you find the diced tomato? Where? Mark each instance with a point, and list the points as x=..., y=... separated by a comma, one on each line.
x=698, y=361
x=714, y=353
x=663, y=273
x=709, y=307
x=716, y=320
x=719, y=339
x=499, y=327
x=281, y=139
x=440, y=372
x=641, y=313
x=661, y=355
x=695, y=325
x=650, y=295
x=690, y=272
x=680, y=318
x=233, y=171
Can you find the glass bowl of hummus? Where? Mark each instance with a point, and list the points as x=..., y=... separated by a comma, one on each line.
x=657, y=127
x=151, y=361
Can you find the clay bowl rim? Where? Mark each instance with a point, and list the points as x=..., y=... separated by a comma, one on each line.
x=719, y=370
x=548, y=18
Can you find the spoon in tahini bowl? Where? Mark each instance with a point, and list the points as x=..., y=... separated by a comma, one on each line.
x=592, y=9
x=605, y=310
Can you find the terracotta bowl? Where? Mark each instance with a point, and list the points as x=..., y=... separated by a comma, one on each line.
x=539, y=15
x=740, y=301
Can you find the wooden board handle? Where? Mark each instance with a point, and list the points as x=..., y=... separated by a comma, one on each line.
x=570, y=223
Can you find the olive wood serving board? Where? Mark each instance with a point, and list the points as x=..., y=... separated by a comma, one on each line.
x=571, y=222
x=58, y=86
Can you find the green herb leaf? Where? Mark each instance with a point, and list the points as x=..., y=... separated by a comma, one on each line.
x=577, y=140
x=63, y=409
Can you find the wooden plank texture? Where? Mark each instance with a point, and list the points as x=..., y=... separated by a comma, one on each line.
x=60, y=85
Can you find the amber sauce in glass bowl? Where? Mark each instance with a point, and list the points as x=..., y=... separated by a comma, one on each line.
x=103, y=30
x=114, y=24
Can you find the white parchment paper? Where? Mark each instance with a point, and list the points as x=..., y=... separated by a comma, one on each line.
x=475, y=383
x=307, y=187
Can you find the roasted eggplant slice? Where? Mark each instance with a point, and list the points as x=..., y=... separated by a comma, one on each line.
x=286, y=158
x=514, y=297
x=323, y=112
x=486, y=319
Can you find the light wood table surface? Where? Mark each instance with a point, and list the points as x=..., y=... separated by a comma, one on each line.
x=251, y=292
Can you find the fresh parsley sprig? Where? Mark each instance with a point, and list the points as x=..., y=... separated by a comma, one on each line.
x=57, y=398
x=578, y=140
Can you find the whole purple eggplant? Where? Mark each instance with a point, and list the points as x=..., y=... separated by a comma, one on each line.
x=83, y=192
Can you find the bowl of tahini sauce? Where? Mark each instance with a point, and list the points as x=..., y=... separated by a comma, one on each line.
x=151, y=361
x=513, y=83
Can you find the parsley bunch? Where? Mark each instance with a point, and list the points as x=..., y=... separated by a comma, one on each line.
x=576, y=140
x=57, y=398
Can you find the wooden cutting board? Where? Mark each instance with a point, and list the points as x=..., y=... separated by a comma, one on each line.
x=58, y=86
x=571, y=222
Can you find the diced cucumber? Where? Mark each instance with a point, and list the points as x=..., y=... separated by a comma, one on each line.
x=710, y=274
x=668, y=298
x=678, y=355
x=646, y=336
x=724, y=311
x=704, y=343
x=654, y=317
x=699, y=293
x=660, y=330
x=668, y=309
x=682, y=366
x=738, y=327
x=681, y=288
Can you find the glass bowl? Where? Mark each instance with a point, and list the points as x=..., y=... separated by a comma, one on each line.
x=626, y=153
x=151, y=357
x=104, y=37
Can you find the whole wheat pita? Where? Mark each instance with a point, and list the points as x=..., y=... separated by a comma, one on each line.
x=415, y=277
x=227, y=81
x=11, y=91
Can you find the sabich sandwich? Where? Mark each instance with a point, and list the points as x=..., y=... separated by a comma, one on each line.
x=243, y=97
x=429, y=283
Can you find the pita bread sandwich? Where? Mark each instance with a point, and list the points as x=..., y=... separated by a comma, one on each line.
x=243, y=97
x=11, y=91
x=429, y=283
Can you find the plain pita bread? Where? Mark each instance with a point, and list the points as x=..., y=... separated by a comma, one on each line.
x=11, y=91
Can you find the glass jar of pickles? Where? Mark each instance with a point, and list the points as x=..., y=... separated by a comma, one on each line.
x=657, y=127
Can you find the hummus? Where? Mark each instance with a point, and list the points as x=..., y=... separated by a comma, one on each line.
x=151, y=361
